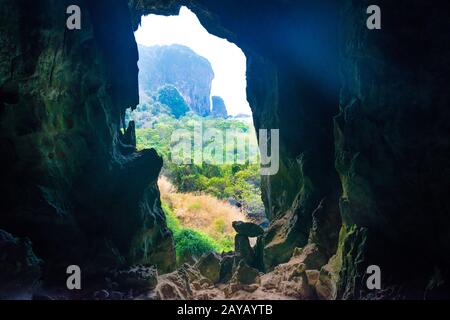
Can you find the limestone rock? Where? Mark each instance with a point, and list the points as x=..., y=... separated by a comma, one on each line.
x=137, y=277
x=259, y=254
x=313, y=276
x=218, y=107
x=226, y=267
x=180, y=67
x=76, y=186
x=244, y=249
x=244, y=274
x=209, y=266
x=20, y=269
x=244, y=278
x=312, y=257
x=174, y=286
x=248, y=229
x=280, y=240
x=327, y=282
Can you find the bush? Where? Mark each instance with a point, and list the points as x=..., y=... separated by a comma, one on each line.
x=170, y=96
x=240, y=182
x=189, y=242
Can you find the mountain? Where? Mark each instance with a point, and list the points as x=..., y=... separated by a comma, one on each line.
x=180, y=67
x=218, y=107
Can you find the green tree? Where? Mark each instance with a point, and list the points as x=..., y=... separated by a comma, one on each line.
x=171, y=97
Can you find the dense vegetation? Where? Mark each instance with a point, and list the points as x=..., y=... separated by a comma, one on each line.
x=190, y=242
x=238, y=184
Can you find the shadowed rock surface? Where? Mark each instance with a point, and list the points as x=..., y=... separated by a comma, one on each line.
x=72, y=182
x=20, y=269
x=247, y=229
x=363, y=157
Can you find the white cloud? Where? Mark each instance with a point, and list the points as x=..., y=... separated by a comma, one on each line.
x=227, y=59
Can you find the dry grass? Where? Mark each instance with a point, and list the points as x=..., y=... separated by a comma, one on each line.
x=200, y=211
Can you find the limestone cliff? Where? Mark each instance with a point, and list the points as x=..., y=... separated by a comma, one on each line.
x=181, y=67
x=219, y=109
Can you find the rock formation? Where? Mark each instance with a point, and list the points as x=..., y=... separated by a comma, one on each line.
x=219, y=108
x=181, y=67
x=72, y=182
x=20, y=269
x=389, y=141
x=252, y=256
x=248, y=229
x=364, y=157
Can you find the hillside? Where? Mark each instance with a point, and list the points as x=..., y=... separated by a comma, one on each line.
x=181, y=67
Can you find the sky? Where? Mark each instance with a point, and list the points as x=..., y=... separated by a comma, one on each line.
x=227, y=60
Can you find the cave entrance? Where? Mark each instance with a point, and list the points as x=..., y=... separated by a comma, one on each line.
x=193, y=110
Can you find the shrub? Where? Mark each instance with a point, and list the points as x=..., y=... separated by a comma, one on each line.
x=171, y=97
x=189, y=243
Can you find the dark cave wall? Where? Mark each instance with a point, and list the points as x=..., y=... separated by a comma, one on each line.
x=393, y=147
x=71, y=182
x=390, y=141
x=74, y=184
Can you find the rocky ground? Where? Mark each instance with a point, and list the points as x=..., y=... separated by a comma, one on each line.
x=234, y=275
x=215, y=277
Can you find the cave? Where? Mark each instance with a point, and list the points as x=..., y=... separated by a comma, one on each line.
x=363, y=143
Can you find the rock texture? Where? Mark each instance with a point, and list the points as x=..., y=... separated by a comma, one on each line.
x=219, y=108
x=390, y=141
x=20, y=269
x=72, y=182
x=392, y=148
x=247, y=229
x=181, y=67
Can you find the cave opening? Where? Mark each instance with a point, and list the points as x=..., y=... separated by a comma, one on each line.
x=363, y=153
x=194, y=112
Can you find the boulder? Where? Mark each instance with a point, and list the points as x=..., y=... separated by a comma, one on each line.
x=311, y=256
x=327, y=282
x=226, y=267
x=247, y=229
x=137, y=277
x=244, y=274
x=209, y=266
x=175, y=285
